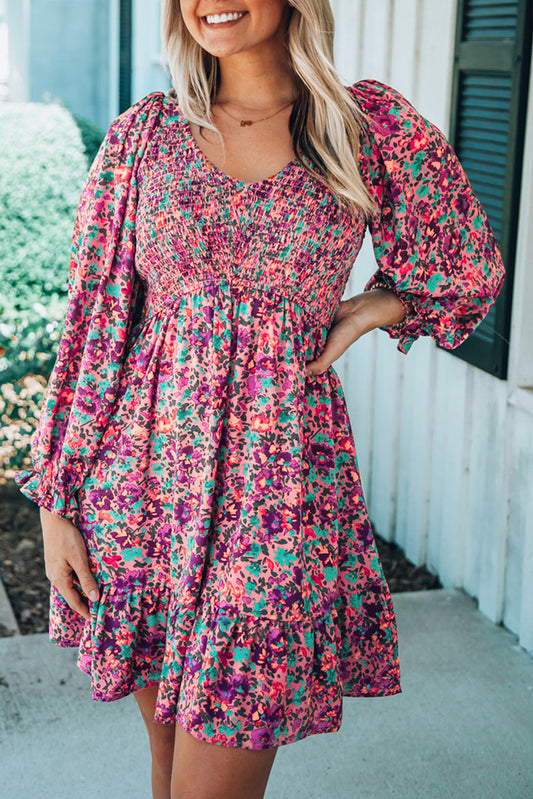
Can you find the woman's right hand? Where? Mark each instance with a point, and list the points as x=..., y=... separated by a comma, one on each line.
x=65, y=555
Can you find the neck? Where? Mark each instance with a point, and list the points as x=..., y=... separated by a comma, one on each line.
x=257, y=79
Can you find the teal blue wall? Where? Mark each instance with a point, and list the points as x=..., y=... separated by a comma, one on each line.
x=70, y=54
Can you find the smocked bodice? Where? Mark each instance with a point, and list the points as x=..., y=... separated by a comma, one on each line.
x=285, y=236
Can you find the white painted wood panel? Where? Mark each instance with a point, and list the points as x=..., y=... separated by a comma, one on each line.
x=525, y=630
x=445, y=450
x=448, y=474
x=436, y=42
x=375, y=56
x=347, y=51
x=516, y=469
x=416, y=450
x=385, y=434
x=404, y=45
x=488, y=509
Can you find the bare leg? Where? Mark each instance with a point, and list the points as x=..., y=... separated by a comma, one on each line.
x=204, y=770
x=161, y=743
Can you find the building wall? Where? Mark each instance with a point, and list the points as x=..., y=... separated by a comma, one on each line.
x=445, y=449
x=70, y=55
x=148, y=72
x=69, y=50
x=17, y=16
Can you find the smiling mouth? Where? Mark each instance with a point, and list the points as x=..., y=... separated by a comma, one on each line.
x=224, y=18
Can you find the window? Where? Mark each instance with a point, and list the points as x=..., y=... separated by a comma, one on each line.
x=489, y=103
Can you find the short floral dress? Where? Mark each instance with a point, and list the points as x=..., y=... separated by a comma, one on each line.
x=215, y=484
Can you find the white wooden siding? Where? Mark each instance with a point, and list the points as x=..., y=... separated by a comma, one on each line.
x=445, y=450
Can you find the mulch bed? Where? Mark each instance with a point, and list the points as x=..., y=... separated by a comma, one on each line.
x=22, y=563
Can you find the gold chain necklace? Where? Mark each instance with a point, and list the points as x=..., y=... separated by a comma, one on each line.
x=245, y=122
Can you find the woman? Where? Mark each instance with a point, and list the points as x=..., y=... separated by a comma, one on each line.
x=206, y=536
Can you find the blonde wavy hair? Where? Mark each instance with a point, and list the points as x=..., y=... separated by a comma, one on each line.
x=325, y=121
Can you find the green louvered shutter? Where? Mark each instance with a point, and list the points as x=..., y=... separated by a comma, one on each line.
x=489, y=101
x=124, y=67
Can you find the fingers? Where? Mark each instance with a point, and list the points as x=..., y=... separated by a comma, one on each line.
x=65, y=585
x=65, y=556
x=334, y=349
x=316, y=367
x=345, y=330
x=72, y=597
x=87, y=582
x=79, y=562
x=63, y=576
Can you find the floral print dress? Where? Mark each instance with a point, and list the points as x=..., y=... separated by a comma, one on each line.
x=216, y=485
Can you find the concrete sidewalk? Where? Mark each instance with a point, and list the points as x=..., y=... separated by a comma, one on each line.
x=461, y=729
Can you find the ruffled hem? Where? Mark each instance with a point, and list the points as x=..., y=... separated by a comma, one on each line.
x=123, y=645
x=255, y=683
x=229, y=678
x=30, y=483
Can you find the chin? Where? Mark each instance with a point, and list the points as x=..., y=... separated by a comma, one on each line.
x=221, y=49
x=220, y=52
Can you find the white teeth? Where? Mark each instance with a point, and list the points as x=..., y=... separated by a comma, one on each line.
x=213, y=19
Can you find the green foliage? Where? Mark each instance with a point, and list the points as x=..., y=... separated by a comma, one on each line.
x=19, y=413
x=45, y=155
x=29, y=340
x=42, y=170
x=28, y=350
x=91, y=134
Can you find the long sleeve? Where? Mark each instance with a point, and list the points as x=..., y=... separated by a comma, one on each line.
x=433, y=244
x=104, y=296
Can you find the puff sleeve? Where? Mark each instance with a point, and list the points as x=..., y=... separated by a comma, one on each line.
x=104, y=295
x=432, y=241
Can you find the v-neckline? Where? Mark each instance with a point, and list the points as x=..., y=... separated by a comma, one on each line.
x=213, y=167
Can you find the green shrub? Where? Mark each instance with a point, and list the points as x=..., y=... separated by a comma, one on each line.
x=45, y=155
x=91, y=134
x=42, y=170
x=29, y=340
x=19, y=404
